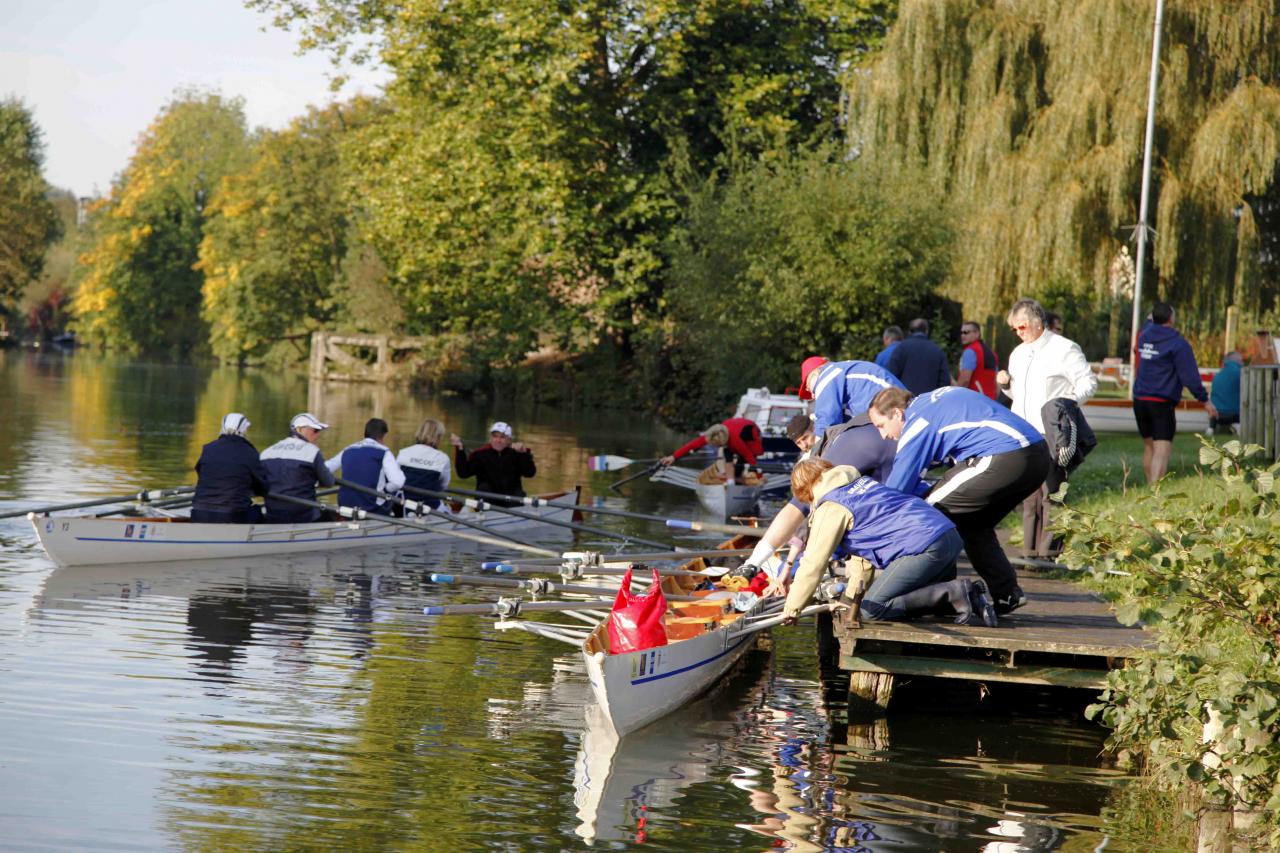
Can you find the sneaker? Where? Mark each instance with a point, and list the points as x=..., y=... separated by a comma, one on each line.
x=981, y=607
x=1011, y=602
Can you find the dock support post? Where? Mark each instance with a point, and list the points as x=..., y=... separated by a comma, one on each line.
x=869, y=694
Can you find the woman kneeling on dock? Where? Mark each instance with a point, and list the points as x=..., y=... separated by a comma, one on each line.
x=912, y=546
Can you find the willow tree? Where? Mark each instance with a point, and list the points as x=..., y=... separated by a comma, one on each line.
x=1029, y=117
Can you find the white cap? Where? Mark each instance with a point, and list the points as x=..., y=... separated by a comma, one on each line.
x=306, y=419
x=502, y=427
x=235, y=424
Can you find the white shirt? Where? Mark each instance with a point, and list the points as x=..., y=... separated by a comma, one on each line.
x=1045, y=369
x=428, y=458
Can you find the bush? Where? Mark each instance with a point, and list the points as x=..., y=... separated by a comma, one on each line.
x=787, y=257
x=1205, y=577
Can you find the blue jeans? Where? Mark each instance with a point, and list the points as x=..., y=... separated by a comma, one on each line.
x=934, y=564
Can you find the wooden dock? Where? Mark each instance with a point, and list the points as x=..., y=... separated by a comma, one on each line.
x=1063, y=637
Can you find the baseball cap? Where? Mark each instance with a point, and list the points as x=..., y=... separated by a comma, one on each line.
x=502, y=427
x=235, y=424
x=809, y=365
x=306, y=419
x=798, y=426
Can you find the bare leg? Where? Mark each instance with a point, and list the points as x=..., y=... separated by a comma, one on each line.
x=1148, y=449
x=1160, y=460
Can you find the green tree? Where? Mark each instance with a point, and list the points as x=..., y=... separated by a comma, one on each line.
x=138, y=288
x=276, y=235
x=516, y=188
x=1030, y=117
x=800, y=255
x=28, y=221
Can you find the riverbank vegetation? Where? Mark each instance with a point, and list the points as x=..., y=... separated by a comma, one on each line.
x=649, y=192
x=1198, y=563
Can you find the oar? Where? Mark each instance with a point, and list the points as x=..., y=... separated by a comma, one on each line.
x=646, y=472
x=595, y=558
x=364, y=515
x=576, y=570
x=508, y=607
x=538, y=586
x=482, y=505
x=608, y=462
x=140, y=497
x=675, y=523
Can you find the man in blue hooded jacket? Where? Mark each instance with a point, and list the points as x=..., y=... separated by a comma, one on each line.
x=1165, y=364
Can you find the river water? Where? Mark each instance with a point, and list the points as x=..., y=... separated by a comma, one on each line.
x=306, y=702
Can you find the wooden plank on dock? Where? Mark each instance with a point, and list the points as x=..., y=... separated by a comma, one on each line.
x=1065, y=636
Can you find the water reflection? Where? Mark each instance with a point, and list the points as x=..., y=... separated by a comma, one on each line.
x=304, y=702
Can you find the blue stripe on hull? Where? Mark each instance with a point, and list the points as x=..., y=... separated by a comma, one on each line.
x=690, y=666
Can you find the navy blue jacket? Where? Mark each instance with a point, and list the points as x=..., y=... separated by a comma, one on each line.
x=228, y=475
x=886, y=523
x=294, y=466
x=1165, y=365
x=920, y=364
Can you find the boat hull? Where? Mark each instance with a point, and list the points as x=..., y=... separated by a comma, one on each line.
x=637, y=688
x=1117, y=416
x=79, y=541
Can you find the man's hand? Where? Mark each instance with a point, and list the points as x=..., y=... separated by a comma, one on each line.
x=455, y=440
x=1003, y=379
x=519, y=447
x=1209, y=407
x=776, y=588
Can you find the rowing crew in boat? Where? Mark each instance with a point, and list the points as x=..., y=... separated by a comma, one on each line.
x=230, y=472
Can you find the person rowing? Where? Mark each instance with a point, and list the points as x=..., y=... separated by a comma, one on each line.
x=996, y=459
x=841, y=390
x=371, y=464
x=912, y=546
x=737, y=439
x=295, y=465
x=228, y=475
x=857, y=443
x=498, y=466
x=423, y=464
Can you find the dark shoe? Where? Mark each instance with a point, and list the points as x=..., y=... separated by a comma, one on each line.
x=1011, y=602
x=982, y=609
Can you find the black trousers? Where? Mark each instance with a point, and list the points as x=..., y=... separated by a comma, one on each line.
x=978, y=493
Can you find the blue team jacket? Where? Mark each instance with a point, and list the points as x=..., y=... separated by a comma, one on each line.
x=844, y=390
x=954, y=424
x=886, y=523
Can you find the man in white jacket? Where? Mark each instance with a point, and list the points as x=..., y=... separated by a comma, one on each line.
x=1044, y=367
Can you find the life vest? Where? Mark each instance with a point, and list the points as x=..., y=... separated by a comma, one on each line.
x=887, y=524
x=983, y=379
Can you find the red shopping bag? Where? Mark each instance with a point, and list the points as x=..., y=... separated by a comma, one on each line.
x=635, y=622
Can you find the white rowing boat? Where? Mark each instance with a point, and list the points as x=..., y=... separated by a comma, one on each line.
x=1117, y=416
x=86, y=540
x=723, y=500
x=705, y=639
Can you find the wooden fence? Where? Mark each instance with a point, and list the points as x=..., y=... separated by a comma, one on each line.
x=364, y=358
x=1259, y=399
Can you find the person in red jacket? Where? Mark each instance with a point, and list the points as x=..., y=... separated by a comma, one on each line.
x=978, y=364
x=739, y=438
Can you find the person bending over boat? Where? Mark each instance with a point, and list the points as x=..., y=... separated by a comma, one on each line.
x=295, y=465
x=424, y=465
x=855, y=442
x=738, y=438
x=228, y=475
x=912, y=546
x=996, y=459
x=497, y=466
x=371, y=464
x=841, y=389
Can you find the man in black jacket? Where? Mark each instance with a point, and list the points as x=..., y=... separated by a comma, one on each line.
x=918, y=362
x=497, y=466
x=228, y=475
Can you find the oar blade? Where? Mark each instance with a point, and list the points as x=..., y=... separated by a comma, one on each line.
x=607, y=463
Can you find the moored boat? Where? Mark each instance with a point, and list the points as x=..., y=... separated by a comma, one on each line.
x=771, y=412
x=724, y=500
x=88, y=540
x=1108, y=415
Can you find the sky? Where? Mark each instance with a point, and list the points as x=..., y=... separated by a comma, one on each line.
x=97, y=73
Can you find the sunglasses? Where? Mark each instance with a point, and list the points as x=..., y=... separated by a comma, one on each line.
x=1021, y=328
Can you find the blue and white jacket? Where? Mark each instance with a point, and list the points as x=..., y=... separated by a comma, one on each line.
x=370, y=464
x=887, y=524
x=951, y=425
x=425, y=467
x=294, y=466
x=845, y=389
